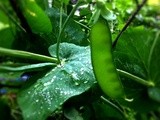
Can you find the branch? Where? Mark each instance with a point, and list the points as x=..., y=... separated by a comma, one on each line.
x=2, y=7
x=131, y=18
x=20, y=15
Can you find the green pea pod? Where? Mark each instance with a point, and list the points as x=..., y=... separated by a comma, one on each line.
x=36, y=17
x=102, y=60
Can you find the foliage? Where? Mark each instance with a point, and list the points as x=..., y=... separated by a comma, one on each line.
x=45, y=61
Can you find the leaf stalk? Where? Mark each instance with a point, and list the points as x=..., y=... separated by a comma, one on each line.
x=135, y=78
x=27, y=55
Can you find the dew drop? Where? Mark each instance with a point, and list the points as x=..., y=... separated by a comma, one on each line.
x=75, y=76
x=76, y=83
x=85, y=82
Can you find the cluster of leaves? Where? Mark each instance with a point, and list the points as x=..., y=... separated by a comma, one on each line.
x=49, y=90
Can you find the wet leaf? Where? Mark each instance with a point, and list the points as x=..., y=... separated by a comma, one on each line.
x=73, y=77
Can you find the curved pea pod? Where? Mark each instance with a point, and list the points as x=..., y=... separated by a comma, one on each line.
x=36, y=17
x=102, y=60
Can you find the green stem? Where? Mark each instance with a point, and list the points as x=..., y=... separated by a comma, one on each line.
x=2, y=7
x=135, y=78
x=61, y=17
x=113, y=105
x=26, y=55
x=152, y=49
x=82, y=25
x=63, y=27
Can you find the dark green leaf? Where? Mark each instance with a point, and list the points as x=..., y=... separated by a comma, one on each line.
x=132, y=51
x=137, y=53
x=106, y=111
x=5, y=110
x=72, y=33
x=154, y=60
x=10, y=78
x=154, y=93
x=73, y=77
x=72, y=114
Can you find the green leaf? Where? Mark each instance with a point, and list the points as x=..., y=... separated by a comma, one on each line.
x=153, y=60
x=10, y=78
x=73, y=77
x=154, y=93
x=132, y=51
x=73, y=32
x=5, y=110
x=106, y=111
x=137, y=53
x=66, y=2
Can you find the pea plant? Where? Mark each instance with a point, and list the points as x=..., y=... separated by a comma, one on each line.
x=79, y=60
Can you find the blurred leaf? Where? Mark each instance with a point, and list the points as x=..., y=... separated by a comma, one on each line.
x=72, y=114
x=4, y=110
x=11, y=78
x=153, y=60
x=36, y=18
x=66, y=2
x=7, y=31
x=73, y=77
x=72, y=33
x=154, y=93
x=132, y=52
x=106, y=111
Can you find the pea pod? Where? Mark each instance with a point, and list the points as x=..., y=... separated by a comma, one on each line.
x=102, y=60
x=36, y=17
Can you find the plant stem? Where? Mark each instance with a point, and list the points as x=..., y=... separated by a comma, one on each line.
x=63, y=27
x=26, y=55
x=135, y=78
x=152, y=49
x=131, y=18
x=113, y=105
x=2, y=7
x=61, y=18
x=16, y=7
x=86, y=27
